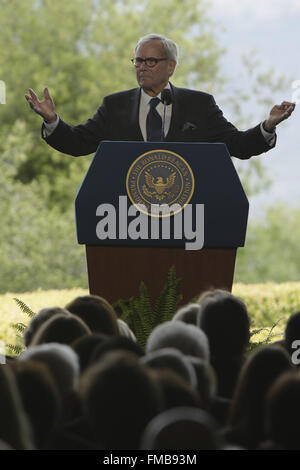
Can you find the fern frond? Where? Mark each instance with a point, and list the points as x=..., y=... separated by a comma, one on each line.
x=21, y=327
x=138, y=312
x=169, y=298
x=271, y=334
x=25, y=308
x=15, y=348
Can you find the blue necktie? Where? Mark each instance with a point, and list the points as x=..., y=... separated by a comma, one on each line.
x=153, y=122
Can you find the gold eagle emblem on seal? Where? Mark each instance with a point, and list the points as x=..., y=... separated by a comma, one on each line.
x=160, y=177
x=160, y=186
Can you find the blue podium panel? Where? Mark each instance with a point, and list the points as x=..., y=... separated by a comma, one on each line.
x=103, y=199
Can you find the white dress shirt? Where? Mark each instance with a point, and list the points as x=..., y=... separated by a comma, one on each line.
x=144, y=110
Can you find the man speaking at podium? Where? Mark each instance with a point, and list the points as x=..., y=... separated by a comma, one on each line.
x=156, y=111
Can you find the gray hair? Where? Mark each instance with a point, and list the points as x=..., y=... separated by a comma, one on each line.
x=170, y=47
x=188, y=314
x=125, y=330
x=171, y=358
x=62, y=361
x=189, y=339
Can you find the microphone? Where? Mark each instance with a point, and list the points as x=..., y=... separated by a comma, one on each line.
x=166, y=98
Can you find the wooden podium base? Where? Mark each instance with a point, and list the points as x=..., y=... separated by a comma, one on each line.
x=116, y=272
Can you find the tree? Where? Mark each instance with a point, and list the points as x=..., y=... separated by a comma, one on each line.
x=38, y=246
x=82, y=50
x=272, y=248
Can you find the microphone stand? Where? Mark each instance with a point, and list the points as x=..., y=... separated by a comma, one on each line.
x=163, y=123
x=166, y=99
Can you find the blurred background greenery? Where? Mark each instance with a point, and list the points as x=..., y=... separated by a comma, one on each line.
x=81, y=50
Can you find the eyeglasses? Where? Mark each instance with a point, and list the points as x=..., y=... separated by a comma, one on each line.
x=149, y=61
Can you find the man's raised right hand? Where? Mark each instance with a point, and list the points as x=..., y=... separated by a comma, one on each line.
x=44, y=108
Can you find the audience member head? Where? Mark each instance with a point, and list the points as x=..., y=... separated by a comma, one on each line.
x=206, y=381
x=189, y=339
x=292, y=333
x=62, y=362
x=64, y=329
x=283, y=412
x=188, y=314
x=175, y=390
x=182, y=428
x=172, y=359
x=124, y=330
x=120, y=397
x=15, y=428
x=224, y=319
x=40, y=399
x=41, y=317
x=260, y=371
x=85, y=348
x=116, y=343
x=209, y=294
x=97, y=313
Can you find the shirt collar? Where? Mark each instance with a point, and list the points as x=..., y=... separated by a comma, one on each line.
x=145, y=98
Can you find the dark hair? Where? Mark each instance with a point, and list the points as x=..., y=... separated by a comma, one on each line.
x=224, y=319
x=206, y=381
x=41, y=317
x=15, y=428
x=283, y=411
x=265, y=365
x=60, y=329
x=175, y=390
x=188, y=314
x=115, y=344
x=97, y=313
x=119, y=398
x=40, y=399
x=85, y=348
x=292, y=331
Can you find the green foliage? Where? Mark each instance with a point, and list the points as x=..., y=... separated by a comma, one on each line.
x=76, y=49
x=81, y=50
x=168, y=299
x=254, y=88
x=272, y=248
x=140, y=316
x=269, y=303
x=15, y=349
x=26, y=309
x=269, y=306
x=137, y=313
x=38, y=246
x=270, y=337
x=19, y=327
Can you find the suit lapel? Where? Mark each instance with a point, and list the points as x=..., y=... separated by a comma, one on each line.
x=175, y=118
x=134, y=130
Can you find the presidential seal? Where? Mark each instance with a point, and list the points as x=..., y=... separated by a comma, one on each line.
x=157, y=178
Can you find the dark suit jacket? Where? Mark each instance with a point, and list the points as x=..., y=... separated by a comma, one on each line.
x=195, y=118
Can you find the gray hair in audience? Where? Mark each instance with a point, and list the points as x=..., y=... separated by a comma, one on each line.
x=125, y=330
x=62, y=362
x=206, y=380
x=183, y=428
x=171, y=358
x=188, y=314
x=189, y=339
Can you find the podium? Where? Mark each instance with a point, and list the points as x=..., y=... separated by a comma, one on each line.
x=121, y=175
